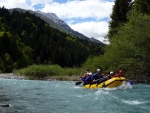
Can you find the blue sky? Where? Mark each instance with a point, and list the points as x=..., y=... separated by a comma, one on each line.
x=89, y=17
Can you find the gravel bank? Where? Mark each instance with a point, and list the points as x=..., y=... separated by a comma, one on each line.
x=11, y=76
x=49, y=78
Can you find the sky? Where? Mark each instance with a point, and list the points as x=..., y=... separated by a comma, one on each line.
x=89, y=17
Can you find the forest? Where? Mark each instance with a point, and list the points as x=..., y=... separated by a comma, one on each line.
x=25, y=39
x=129, y=38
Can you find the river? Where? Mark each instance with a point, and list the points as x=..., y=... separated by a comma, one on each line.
x=35, y=96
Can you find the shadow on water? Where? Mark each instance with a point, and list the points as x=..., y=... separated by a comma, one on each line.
x=3, y=96
x=3, y=99
x=5, y=106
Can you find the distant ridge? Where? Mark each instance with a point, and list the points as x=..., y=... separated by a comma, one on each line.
x=54, y=21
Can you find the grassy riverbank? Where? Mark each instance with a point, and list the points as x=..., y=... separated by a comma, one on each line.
x=55, y=72
x=49, y=72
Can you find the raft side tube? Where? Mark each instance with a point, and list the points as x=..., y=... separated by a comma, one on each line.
x=111, y=83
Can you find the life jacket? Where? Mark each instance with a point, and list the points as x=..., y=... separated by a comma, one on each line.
x=85, y=74
x=119, y=75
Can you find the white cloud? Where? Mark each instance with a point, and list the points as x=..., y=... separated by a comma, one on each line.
x=98, y=10
x=73, y=9
x=80, y=9
x=14, y=3
x=92, y=29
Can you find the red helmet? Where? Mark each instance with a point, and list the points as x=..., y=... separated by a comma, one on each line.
x=120, y=71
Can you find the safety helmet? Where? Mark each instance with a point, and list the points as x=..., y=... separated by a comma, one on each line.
x=98, y=70
x=90, y=73
x=111, y=72
x=120, y=71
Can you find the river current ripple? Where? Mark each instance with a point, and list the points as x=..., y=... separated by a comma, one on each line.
x=34, y=96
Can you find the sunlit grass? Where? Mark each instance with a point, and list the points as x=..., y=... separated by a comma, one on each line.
x=49, y=71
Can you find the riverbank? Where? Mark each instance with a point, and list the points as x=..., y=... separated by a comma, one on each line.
x=12, y=76
x=49, y=78
x=143, y=79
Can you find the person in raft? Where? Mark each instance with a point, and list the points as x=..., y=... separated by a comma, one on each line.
x=119, y=74
x=98, y=77
x=86, y=75
x=110, y=75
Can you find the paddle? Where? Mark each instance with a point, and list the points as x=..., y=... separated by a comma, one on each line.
x=131, y=82
x=78, y=83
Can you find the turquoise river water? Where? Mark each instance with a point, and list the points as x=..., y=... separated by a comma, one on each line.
x=33, y=96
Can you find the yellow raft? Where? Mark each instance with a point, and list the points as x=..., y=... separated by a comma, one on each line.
x=111, y=83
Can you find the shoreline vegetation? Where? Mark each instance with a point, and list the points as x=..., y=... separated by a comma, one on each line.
x=49, y=72
x=58, y=78
x=55, y=73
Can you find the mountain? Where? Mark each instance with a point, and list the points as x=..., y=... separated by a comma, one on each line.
x=54, y=21
x=26, y=39
x=63, y=26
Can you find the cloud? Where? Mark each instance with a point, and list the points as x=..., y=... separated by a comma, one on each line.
x=75, y=10
x=92, y=29
x=14, y=3
x=89, y=17
x=80, y=9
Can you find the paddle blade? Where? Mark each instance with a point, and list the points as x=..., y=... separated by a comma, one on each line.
x=131, y=82
x=78, y=83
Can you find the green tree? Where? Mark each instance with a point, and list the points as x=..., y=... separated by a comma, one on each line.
x=29, y=40
x=119, y=16
x=129, y=49
x=142, y=6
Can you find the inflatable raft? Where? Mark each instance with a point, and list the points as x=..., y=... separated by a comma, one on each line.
x=111, y=83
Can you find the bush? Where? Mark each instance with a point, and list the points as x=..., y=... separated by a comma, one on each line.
x=44, y=71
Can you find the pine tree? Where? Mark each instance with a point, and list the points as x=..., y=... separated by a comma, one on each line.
x=119, y=16
x=142, y=6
